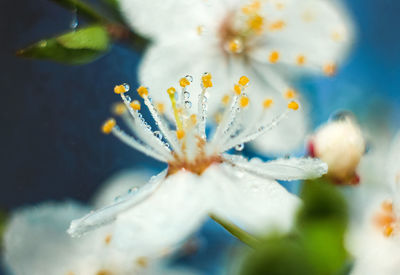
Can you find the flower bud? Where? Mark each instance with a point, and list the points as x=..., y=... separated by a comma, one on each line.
x=341, y=145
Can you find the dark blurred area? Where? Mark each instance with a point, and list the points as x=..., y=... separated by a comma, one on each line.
x=51, y=114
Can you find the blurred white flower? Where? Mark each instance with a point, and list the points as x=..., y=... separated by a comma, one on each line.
x=375, y=242
x=339, y=143
x=200, y=178
x=36, y=243
x=269, y=41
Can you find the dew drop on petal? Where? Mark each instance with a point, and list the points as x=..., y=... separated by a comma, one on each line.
x=188, y=104
x=186, y=95
x=239, y=147
x=189, y=77
x=158, y=134
x=128, y=98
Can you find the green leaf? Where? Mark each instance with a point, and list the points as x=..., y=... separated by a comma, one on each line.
x=3, y=220
x=76, y=47
x=278, y=255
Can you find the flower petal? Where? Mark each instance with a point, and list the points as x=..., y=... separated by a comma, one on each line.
x=166, y=218
x=394, y=164
x=254, y=203
x=109, y=213
x=120, y=183
x=35, y=241
x=154, y=18
x=281, y=169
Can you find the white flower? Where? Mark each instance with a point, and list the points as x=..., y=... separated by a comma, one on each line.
x=35, y=243
x=339, y=143
x=200, y=178
x=269, y=41
x=375, y=242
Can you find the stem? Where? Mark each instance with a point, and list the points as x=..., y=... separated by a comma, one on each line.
x=236, y=231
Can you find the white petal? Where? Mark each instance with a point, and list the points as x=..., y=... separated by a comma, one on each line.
x=108, y=213
x=120, y=183
x=394, y=164
x=154, y=18
x=166, y=218
x=253, y=203
x=318, y=29
x=35, y=241
x=281, y=169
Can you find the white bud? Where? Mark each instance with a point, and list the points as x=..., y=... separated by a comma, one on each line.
x=341, y=145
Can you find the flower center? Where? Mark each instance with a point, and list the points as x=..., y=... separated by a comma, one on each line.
x=187, y=147
x=386, y=220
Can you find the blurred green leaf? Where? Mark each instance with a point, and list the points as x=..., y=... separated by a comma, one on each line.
x=3, y=220
x=278, y=255
x=76, y=47
x=112, y=3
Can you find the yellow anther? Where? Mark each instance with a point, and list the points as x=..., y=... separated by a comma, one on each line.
x=329, y=69
x=256, y=23
x=387, y=206
x=180, y=134
x=244, y=101
x=206, y=80
x=183, y=82
x=252, y=7
x=200, y=29
x=108, y=238
x=274, y=57
x=171, y=91
x=104, y=272
x=388, y=231
x=160, y=108
x=237, y=89
x=336, y=36
x=235, y=46
x=119, y=109
x=225, y=99
x=300, y=60
x=293, y=105
x=193, y=119
x=142, y=91
x=277, y=25
x=280, y=6
x=267, y=103
x=243, y=80
x=142, y=261
x=108, y=126
x=290, y=94
x=218, y=118
x=135, y=105
x=119, y=89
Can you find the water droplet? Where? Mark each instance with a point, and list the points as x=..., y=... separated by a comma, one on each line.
x=128, y=98
x=186, y=95
x=239, y=147
x=158, y=134
x=74, y=22
x=117, y=198
x=189, y=77
x=188, y=104
x=126, y=86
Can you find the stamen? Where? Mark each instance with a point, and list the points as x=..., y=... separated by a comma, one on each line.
x=293, y=105
x=290, y=94
x=388, y=231
x=244, y=80
x=200, y=29
x=251, y=8
x=225, y=99
x=180, y=134
x=301, y=59
x=135, y=105
x=235, y=45
x=142, y=91
x=108, y=126
x=244, y=101
x=277, y=25
x=119, y=109
x=160, y=108
x=119, y=89
x=329, y=69
x=206, y=82
x=273, y=57
x=267, y=103
x=171, y=92
x=256, y=23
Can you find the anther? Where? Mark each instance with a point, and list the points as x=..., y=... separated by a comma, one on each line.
x=225, y=99
x=244, y=80
x=206, y=80
x=108, y=126
x=301, y=59
x=171, y=91
x=277, y=25
x=183, y=82
x=237, y=89
x=329, y=69
x=293, y=105
x=180, y=133
x=244, y=101
x=135, y=105
x=256, y=23
x=267, y=103
x=119, y=109
x=119, y=89
x=290, y=94
x=160, y=108
x=235, y=46
x=142, y=91
x=388, y=231
x=274, y=57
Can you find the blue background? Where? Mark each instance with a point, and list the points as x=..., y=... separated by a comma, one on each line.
x=51, y=114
